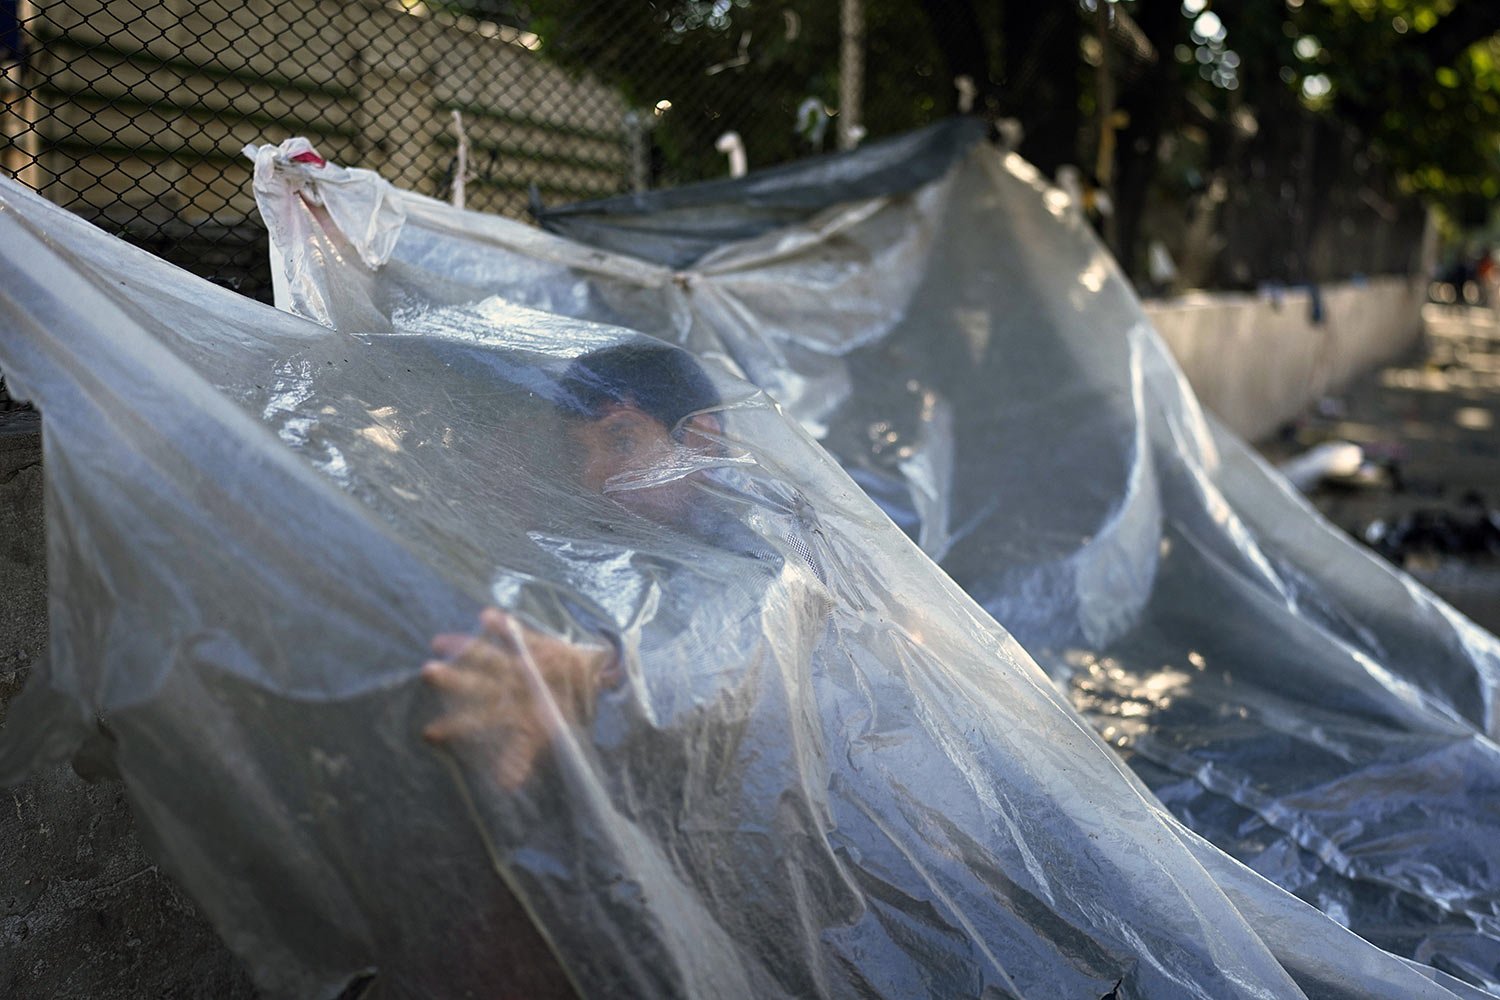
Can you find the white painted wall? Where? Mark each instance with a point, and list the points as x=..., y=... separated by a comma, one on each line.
x=1257, y=360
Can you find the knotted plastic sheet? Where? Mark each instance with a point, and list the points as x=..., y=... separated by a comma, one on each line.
x=946, y=325
x=812, y=767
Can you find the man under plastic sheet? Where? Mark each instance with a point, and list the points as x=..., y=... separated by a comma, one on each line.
x=643, y=423
x=633, y=410
x=737, y=643
x=752, y=770
x=960, y=342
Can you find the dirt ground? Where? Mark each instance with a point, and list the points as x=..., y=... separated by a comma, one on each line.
x=1430, y=488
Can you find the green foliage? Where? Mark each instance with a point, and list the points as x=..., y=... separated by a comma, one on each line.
x=1427, y=95
x=1418, y=79
x=742, y=65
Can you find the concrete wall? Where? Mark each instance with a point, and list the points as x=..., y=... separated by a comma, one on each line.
x=1257, y=360
x=83, y=913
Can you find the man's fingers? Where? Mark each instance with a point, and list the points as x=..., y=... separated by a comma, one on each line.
x=495, y=627
x=518, y=759
x=502, y=627
x=451, y=644
x=447, y=728
x=470, y=684
x=451, y=728
x=514, y=744
x=478, y=725
x=514, y=765
x=515, y=634
x=509, y=632
x=509, y=689
x=478, y=655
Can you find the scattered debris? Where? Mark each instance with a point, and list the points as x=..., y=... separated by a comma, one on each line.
x=1336, y=461
x=1474, y=532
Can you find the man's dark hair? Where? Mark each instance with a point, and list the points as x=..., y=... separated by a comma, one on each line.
x=665, y=383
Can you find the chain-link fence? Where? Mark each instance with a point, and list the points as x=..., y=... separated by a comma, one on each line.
x=133, y=112
x=1312, y=203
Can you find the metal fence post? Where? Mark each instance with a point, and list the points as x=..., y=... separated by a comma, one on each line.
x=851, y=73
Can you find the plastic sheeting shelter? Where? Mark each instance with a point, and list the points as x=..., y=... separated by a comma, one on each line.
x=750, y=741
x=949, y=329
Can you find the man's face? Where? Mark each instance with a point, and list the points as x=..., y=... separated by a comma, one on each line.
x=632, y=458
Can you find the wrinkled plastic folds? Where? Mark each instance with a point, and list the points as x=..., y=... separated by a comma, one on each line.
x=820, y=769
x=945, y=324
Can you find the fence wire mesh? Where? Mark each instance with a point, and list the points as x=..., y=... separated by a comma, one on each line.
x=133, y=112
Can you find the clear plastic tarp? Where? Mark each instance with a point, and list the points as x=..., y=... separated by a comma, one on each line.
x=944, y=323
x=513, y=655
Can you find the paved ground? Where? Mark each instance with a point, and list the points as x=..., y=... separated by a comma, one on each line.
x=1430, y=427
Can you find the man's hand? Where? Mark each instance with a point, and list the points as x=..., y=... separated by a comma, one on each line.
x=511, y=689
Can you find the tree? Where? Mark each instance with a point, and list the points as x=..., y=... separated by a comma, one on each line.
x=1152, y=104
x=703, y=67
x=749, y=65
x=1329, y=103
x=1276, y=118
x=1024, y=65
x=1419, y=78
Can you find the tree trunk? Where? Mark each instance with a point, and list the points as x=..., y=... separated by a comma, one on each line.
x=1041, y=69
x=1151, y=102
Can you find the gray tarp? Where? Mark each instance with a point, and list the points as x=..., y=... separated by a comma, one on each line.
x=958, y=340
x=813, y=767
